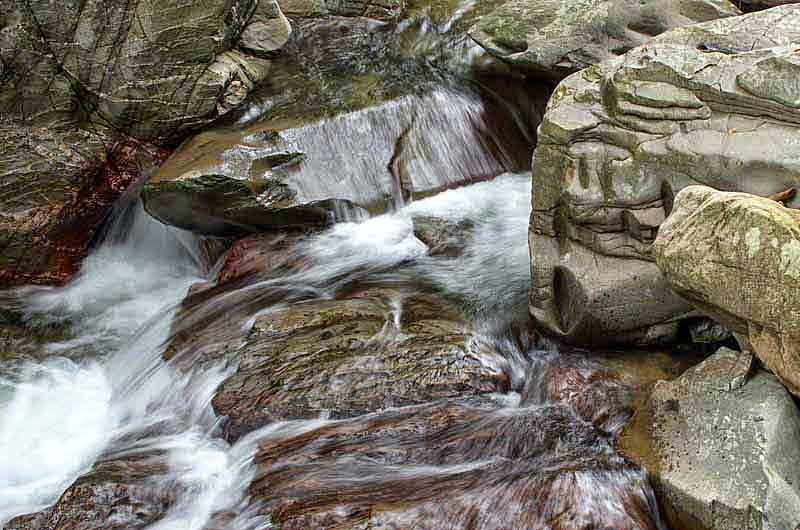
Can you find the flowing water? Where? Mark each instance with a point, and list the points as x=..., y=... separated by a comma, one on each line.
x=114, y=422
x=64, y=414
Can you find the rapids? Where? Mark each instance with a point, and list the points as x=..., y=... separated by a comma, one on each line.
x=62, y=414
x=121, y=397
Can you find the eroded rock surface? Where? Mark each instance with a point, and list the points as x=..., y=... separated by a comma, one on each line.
x=117, y=494
x=87, y=88
x=737, y=258
x=710, y=104
x=554, y=38
x=722, y=446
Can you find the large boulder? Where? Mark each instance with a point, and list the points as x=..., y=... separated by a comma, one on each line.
x=619, y=140
x=723, y=447
x=554, y=38
x=737, y=258
x=90, y=93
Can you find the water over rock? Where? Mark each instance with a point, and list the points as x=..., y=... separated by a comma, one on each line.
x=714, y=240
x=356, y=114
x=619, y=140
x=722, y=445
x=373, y=346
x=451, y=465
x=554, y=38
x=77, y=80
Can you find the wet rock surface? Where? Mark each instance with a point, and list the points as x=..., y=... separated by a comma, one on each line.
x=619, y=141
x=450, y=466
x=554, y=38
x=80, y=86
x=713, y=239
x=721, y=443
x=116, y=494
x=347, y=357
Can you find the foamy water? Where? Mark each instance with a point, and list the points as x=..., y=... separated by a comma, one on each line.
x=59, y=416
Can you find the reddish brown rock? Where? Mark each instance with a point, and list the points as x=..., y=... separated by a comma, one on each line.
x=45, y=241
x=117, y=494
x=451, y=466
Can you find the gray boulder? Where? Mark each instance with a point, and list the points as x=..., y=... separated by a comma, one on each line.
x=554, y=38
x=723, y=447
x=617, y=143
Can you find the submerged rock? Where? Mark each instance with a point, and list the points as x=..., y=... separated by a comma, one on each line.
x=722, y=446
x=554, y=38
x=617, y=143
x=442, y=236
x=715, y=240
x=450, y=465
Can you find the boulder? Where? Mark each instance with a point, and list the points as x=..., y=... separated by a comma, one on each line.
x=620, y=140
x=116, y=494
x=735, y=256
x=89, y=95
x=722, y=446
x=554, y=38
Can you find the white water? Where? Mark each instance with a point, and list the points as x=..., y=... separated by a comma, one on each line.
x=58, y=417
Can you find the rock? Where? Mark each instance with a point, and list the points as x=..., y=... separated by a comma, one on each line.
x=450, y=465
x=348, y=357
x=356, y=114
x=554, y=38
x=620, y=140
x=442, y=236
x=90, y=95
x=707, y=331
x=755, y=5
x=117, y=494
x=714, y=240
x=55, y=191
x=722, y=456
